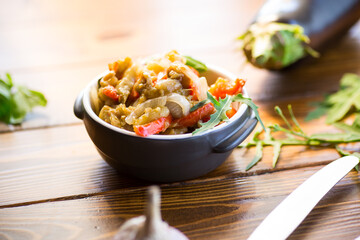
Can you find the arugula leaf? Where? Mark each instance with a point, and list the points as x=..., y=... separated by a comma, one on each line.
x=339, y=104
x=346, y=153
x=346, y=137
x=258, y=156
x=199, y=105
x=277, y=149
x=349, y=80
x=320, y=110
x=348, y=128
x=17, y=101
x=251, y=104
x=221, y=107
x=199, y=66
x=356, y=123
x=341, y=108
x=296, y=136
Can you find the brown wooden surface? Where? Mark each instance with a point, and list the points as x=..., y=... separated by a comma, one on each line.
x=53, y=183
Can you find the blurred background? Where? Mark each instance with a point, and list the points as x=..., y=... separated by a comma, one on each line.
x=55, y=184
x=57, y=47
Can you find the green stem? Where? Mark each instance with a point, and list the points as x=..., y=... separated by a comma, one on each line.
x=278, y=128
x=292, y=115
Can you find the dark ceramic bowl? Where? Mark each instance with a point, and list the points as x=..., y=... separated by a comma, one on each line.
x=163, y=158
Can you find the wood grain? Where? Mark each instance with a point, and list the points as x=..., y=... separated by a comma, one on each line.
x=61, y=162
x=53, y=183
x=313, y=78
x=226, y=209
x=70, y=33
x=64, y=50
x=58, y=47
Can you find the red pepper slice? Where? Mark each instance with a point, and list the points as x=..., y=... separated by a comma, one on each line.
x=195, y=71
x=110, y=92
x=153, y=127
x=231, y=112
x=134, y=94
x=223, y=87
x=192, y=118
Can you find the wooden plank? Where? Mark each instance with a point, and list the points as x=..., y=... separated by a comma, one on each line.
x=226, y=209
x=68, y=33
x=61, y=72
x=61, y=85
x=62, y=82
x=62, y=162
x=66, y=46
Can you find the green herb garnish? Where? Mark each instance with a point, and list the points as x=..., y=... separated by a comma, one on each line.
x=337, y=105
x=199, y=105
x=16, y=101
x=221, y=107
x=296, y=136
x=199, y=66
x=250, y=103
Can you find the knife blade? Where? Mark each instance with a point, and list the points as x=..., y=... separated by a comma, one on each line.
x=285, y=218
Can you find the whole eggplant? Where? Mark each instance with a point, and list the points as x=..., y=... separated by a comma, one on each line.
x=285, y=31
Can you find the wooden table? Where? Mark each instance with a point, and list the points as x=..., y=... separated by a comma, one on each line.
x=53, y=183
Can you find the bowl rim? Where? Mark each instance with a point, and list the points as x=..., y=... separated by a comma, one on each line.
x=218, y=70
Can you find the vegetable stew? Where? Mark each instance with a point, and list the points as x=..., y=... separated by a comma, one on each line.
x=162, y=95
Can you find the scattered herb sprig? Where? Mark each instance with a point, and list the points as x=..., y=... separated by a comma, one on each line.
x=295, y=136
x=16, y=101
x=337, y=106
x=221, y=107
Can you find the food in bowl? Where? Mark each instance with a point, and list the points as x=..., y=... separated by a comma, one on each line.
x=165, y=95
x=176, y=157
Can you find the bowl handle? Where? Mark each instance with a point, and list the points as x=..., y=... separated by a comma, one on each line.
x=79, y=107
x=235, y=139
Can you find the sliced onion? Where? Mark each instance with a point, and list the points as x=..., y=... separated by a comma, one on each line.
x=201, y=88
x=178, y=105
x=96, y=103
x=168, y=85
x=139, y=110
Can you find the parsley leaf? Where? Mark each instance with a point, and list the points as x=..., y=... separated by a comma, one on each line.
x=16, y=101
